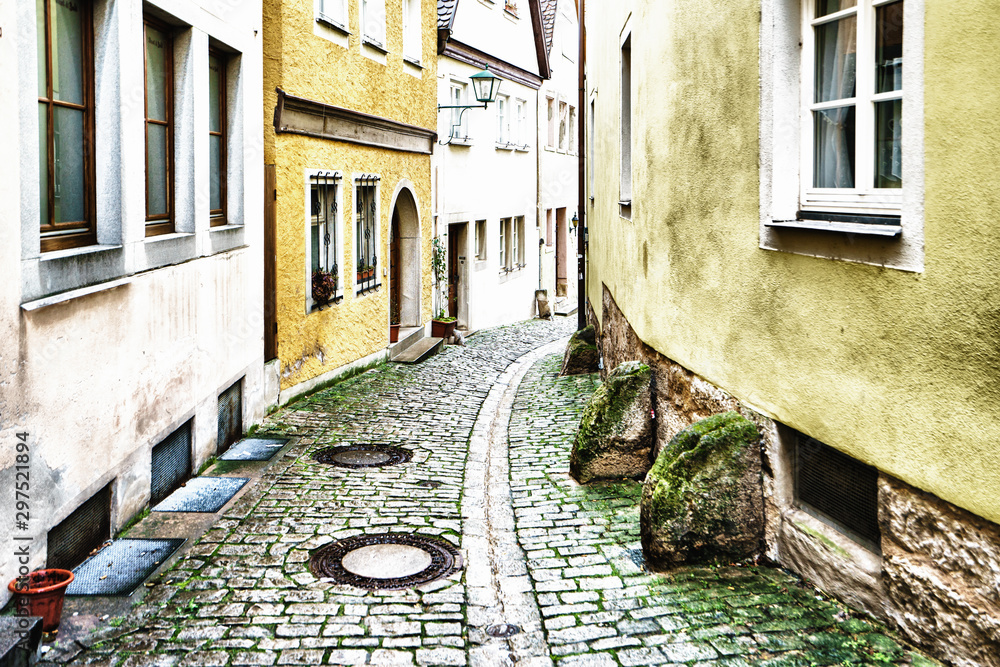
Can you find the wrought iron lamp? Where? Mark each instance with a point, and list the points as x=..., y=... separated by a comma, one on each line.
x=486, y=86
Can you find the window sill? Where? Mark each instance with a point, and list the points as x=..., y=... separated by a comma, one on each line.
x=173, y=236
x=75, y=252
x=316, y=307
x=860, y=228
x=63, y=297
x=367, y=289
x=459, y=141
x=225, y=228
x=377, y=46
x=504, y=147
x=522, y=149
x=413, y=61
x=330, y=23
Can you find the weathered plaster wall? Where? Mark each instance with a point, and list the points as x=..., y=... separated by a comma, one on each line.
x=343, y=72
x=896, y=369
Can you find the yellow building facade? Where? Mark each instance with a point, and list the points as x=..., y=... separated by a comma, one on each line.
x=349, y=107
x=846, y=297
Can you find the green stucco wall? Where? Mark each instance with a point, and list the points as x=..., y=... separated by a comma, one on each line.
x=898, y=369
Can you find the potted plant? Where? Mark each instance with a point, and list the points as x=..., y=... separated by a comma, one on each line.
x=442, y=326
x=41, y=593
x=324, y=286
x=365, y=271
x=393, y=322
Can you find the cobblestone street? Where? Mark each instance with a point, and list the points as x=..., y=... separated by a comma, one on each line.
x=490, y=427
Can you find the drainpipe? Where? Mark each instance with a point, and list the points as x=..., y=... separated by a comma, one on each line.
x=581, y=264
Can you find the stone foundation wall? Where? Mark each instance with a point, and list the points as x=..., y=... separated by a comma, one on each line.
x=937, y=578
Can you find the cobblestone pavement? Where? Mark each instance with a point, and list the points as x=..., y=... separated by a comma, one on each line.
x=559, y=560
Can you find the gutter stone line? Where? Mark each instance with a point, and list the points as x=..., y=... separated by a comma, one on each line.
x=497, y=582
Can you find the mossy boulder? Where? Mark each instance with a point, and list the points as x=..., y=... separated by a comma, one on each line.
x=615, y=440
x=702, y=500
x=581, y=353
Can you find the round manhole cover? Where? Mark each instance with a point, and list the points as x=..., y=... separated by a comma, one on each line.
x=388, y=561
x=363, y=456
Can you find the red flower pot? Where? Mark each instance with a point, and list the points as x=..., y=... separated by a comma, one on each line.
x=393, y=333
x=41, y=593
x=441, y=329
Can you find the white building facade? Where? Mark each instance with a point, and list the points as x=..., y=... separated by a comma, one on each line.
x=558, y=156
x=486, y=170
x=131, y=335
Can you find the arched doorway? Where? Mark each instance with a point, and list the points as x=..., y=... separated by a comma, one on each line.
x=404, y=259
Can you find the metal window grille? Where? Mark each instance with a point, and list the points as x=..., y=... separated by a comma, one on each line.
x=323, y=216
x=170, y=464
x=366, y=234
x=230, y=416
x=72, y=540
x=837, y=489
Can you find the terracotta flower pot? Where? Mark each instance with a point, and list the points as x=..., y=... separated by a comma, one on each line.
x=441, y=329
x=393, y=333
x=42, y=593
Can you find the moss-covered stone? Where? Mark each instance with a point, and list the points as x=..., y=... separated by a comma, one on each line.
x=702, y=500
x=581, y=353
x=615, y=440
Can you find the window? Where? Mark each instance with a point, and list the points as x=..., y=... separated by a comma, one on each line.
x=503, y=120
x=480, y=239
x=65, y=124
x=333, y=12
x=852, y=109
x=511, y=244
x=411, y=30
x=625, y=190
x=459, y=121
x=324, y=235
x=563, y=120
x=217, y=138
x=366, y=233
x=571, y=140
x=549, y=223
x=159, y=128
x=590, y=148
x=550, y=105
x=521, y=131
x=373, y=22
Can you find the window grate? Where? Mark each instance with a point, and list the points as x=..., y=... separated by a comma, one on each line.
x=839, y=490
x=71, y=542
x=171, y=464
x=230, y=416
x=366, y=234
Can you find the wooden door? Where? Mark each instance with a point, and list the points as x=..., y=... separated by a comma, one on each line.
x=270, y=263
x=395, y=274
x=454, y=272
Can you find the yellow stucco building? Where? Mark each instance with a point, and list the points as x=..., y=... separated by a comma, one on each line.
x=792, y=212
x=350, y=111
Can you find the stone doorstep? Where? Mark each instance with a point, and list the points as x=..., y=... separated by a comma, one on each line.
x=408, y=337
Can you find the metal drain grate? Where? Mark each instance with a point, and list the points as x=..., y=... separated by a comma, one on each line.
x=87, y=528
x=202, y=494
x=442, y=556
x=363, y=456
x=170, y=464
x=230, y=416
x=120, y=567
x=502, y=630
x=837, y=489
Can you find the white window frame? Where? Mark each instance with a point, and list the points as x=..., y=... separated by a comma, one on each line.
x=372, y=13
x=571, y=139
x=780, y=114
x=412, y=46
x=563, y=125
x=863, y=198
x=458, y=95
x=336, y=257
x=521, y=120
x=503, y=243
x=550, y=115
x=332, y=12
x=625, y=151
x=503, y=121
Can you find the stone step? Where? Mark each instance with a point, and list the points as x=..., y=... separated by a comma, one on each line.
x=20, y=638
x=420, y=350
x=408, y=337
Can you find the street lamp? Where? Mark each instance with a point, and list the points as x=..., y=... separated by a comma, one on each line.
x=485, y=85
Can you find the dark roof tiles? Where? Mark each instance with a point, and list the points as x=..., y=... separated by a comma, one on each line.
x=548, y=21
x=446, y=13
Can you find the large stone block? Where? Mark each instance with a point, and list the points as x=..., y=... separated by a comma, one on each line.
x=702, y=499
x=581, y=354
x=615, y=440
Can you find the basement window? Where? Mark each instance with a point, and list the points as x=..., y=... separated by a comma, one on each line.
x=170, y=464
x=86, y=529
x=838, y=490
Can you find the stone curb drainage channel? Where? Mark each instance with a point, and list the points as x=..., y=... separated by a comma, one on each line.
x=504, y=622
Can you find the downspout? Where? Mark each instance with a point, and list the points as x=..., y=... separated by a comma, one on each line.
x=581, y=264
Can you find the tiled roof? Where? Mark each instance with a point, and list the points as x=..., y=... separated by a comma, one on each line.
x=446, y=13
x=548, y=20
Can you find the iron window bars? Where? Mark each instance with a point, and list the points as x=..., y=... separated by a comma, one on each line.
x=366, y=233
x=323, y=196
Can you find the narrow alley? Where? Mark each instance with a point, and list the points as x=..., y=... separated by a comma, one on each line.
x=552, y=567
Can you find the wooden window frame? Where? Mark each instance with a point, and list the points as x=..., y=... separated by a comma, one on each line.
x=160, y=224
x=218, y=217
x=87, y=233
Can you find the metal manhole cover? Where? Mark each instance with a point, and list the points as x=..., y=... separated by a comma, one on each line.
x=388, y=561
x=502, y=630
x=429, y=484
x=363, y=456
